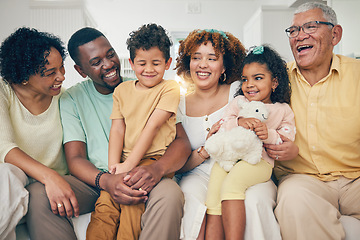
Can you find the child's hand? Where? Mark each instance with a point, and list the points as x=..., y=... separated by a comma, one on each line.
x=248, y=123
x=261, y=131
x=119, y=168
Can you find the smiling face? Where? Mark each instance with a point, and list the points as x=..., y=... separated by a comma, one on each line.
x=205, y=67
x=312, y=51
x=48, y=82
x=99, y=61
x=257, y=82
x=149, y=67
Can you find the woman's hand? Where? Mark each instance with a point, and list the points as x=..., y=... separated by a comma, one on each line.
x=214, y=128
x=61, y=197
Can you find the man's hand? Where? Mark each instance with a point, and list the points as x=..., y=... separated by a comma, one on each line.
x=143, y=177
x=282, y=152
x=121, y=193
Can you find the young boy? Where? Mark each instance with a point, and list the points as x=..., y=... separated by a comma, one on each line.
x=143, y=125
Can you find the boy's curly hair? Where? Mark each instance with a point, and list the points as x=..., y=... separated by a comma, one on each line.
x=24, y=54
x=149, y=36
x=278, y=69
x=223, y=42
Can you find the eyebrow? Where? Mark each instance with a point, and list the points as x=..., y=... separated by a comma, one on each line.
x=142, y=60
x=254, y=75
x=95, y=58
x=49, y=70
x=211, y=54
x=259, y=74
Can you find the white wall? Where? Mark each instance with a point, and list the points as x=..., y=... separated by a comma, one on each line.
x=13, y=14
x=60, y=18
x=267, y=26
x=171, y=14
x=275, y=23
x=348, y=14
x=117, y=18
x=128, y=16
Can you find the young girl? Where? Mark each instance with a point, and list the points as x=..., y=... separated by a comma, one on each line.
x=265, y=79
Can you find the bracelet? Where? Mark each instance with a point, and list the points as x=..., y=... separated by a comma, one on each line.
x=97, y=179
x=200, y=154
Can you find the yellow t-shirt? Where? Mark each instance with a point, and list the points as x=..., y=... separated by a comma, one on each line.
x=327, y=117
x=135, y=107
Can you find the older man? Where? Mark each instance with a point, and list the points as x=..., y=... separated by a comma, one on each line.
x=322, y=182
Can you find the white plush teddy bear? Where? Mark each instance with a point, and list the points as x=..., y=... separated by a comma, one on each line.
x=228, y=147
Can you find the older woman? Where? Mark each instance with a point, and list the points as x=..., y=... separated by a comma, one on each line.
x=211, y=60
x=31, y=153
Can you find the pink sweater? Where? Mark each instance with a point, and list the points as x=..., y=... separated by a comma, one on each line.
x=280, y=121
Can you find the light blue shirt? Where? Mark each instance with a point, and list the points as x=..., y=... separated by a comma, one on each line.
x=85, y=116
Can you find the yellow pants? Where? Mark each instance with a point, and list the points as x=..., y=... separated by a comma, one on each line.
x=116, y=221
x=232, y=185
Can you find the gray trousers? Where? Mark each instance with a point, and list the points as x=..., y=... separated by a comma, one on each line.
x=161, y=219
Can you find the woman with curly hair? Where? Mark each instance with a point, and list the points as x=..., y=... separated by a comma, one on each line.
x=211, y=60
x=31, y=152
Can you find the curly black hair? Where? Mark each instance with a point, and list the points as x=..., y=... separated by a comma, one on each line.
x=79, y=38
x=24, y=52
x=223, y=42
x=148, y=36
x=277, y=67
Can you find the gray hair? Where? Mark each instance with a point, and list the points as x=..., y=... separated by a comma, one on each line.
x=328, y=13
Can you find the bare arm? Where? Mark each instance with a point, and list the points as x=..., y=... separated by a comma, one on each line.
x=84, y=170
x=79, y=166
x=116, y=143
x=174, y=158
x=195, y=158
x=57, y=189
x=154, y=123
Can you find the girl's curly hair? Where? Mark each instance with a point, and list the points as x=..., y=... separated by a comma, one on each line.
x=149, y=36
x=278, y=69
x=24, y=54
x=223, y=42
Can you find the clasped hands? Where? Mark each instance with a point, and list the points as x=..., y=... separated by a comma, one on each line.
x=255, y=125
x=132, y=187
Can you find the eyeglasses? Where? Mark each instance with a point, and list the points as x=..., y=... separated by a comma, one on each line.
x=309, y=28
